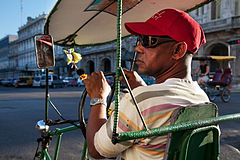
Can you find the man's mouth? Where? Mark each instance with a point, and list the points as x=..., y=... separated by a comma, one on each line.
x=139, y=61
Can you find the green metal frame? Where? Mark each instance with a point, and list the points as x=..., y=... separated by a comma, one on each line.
x=196, y=144
x=45, y=155
x=59, y=132
x=124, y=136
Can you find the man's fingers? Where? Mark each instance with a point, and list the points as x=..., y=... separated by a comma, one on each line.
x=100, y=73
x=86, y=81
x=121, y=79
x=127, y=72
x=94, y=74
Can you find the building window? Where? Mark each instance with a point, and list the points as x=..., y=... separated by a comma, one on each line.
x=107, y=65
x=202, y=9
x=216, y=9
x=90, y=66
x=237, y=7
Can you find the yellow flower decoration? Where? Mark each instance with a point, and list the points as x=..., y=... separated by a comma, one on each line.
x=72, y=57
x=83, y=76
x=109, y=112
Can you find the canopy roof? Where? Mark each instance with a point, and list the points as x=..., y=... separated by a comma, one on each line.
x=92, y=22
x=216, y=58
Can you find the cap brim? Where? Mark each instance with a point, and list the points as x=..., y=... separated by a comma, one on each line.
x=137, y=28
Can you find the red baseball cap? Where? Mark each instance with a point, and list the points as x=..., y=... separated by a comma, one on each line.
x=174, y=23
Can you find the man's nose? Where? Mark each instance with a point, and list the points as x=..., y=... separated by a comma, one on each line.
x=139, y=48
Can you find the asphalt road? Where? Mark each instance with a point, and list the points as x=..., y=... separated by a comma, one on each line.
x=230, y=131
x=21, y=108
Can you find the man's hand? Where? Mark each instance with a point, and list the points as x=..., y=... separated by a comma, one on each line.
x=133, y=78
x=97, y=85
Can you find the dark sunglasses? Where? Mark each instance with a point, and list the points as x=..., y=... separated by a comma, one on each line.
x=153, y=41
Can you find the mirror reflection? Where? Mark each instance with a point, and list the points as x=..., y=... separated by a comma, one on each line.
x=44, y=51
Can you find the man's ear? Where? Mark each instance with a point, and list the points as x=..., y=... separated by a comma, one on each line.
x=179, y=51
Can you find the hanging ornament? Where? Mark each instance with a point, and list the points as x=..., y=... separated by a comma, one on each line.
x=73, y=58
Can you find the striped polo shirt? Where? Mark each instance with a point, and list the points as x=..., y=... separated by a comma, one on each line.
x=157, y=103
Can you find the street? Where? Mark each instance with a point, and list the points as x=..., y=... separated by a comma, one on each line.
x=21, y=108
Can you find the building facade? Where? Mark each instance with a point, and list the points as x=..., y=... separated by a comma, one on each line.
x=220, y=21
x=22, y=55
x=26, y=58
x=4, y=52
x=13, y=60
x=104, y=57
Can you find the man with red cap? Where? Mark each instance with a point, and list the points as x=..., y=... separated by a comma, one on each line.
x=166, y=44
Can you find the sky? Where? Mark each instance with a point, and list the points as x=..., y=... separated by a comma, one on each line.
x=10, y=13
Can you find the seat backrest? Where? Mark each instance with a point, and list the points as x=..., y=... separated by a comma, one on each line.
x=217, y=75
x=194, y=144
x=227, y=76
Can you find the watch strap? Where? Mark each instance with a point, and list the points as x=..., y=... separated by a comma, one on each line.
x=95, y=101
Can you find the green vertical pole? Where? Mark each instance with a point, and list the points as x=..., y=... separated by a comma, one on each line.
x=118, y=65
x=57, y=146
x=84, y=152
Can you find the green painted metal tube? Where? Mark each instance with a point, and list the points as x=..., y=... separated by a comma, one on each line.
x=63, y=130
x=118, y=65
x=176, y=127
x=57, y=146
x=45, y=155
x=84, y=152
x=59, y=133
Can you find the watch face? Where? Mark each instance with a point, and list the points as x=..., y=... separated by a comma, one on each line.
x=95, y=101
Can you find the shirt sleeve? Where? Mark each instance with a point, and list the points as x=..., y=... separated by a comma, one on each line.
x=103, y=138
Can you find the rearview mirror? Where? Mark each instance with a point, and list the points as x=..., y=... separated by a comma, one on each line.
x=44, y=51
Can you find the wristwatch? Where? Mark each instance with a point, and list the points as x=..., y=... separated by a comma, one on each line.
x=95, y=101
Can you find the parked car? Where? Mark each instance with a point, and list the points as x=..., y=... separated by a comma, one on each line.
x=53, y=81
x=70, y=81
x=110, y=80
x=36, y=81
x=14, y=81
x=6, y=82
x=80, y=82
x=25, y=81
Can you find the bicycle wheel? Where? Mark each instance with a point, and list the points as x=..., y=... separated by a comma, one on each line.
x=211, y=95
x=81, y=107
x=226, y=95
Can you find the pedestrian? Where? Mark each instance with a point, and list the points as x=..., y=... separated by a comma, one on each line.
x=203, y=76
x=166, y=44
